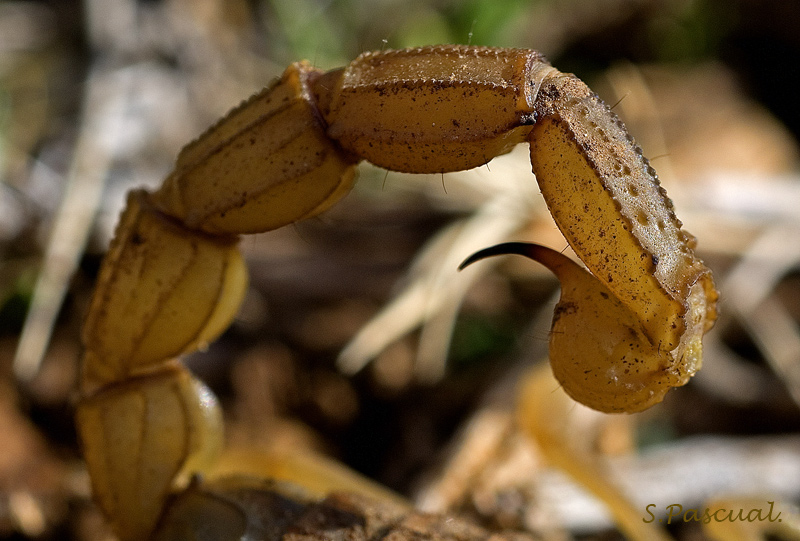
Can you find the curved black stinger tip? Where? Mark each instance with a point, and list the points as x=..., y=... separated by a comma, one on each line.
x=519, y=248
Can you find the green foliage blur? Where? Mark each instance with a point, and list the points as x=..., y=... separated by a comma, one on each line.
x=759, y=40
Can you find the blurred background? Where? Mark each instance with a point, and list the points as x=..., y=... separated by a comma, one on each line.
x=97, y=97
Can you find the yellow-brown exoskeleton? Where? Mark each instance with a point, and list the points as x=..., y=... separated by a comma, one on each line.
x=626, y=330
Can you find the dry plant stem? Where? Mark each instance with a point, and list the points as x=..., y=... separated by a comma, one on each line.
x=764, y=264
x=433, y=297
x=173, y=278
x=784, y=522
x=544, y=412
x=84, y=185
x=319, y=476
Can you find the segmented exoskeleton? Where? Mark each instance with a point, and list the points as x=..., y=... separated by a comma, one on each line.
x=625, y=331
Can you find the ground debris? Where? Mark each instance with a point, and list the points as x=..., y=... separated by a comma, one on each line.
x=269, y=511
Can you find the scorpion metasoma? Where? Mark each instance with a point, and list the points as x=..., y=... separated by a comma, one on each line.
x=624, y=332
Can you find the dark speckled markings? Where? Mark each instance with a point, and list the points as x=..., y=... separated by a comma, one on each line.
x=626, y=330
